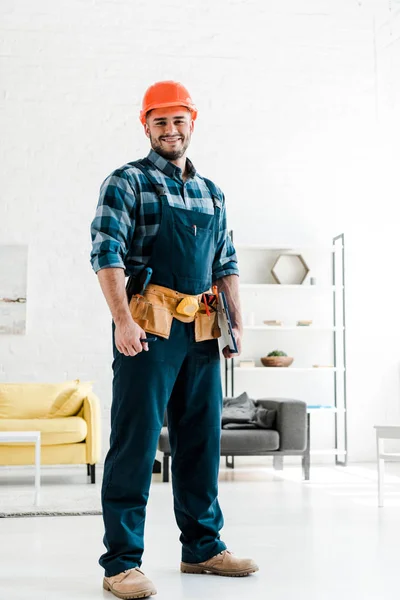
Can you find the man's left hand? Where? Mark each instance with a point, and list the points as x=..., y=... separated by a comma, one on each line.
x=238, y=337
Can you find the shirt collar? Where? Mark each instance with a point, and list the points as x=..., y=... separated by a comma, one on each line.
x=168, y=168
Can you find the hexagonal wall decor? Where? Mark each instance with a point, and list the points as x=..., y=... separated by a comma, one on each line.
x=290, y=269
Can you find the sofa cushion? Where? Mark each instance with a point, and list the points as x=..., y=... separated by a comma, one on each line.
x=249, y=441
x=29, y=400
x=69, y=401
x=236, y=441
x=65, y=430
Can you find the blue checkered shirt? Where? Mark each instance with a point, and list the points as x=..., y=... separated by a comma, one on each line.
x=128, y=216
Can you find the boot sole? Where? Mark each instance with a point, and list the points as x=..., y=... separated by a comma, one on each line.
x=129, y=595
x=195, y=570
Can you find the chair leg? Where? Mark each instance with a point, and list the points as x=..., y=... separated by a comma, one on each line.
x=92, y=473
x=88, y=468
x=165, y=474
x=230, y=463
x=278, y=463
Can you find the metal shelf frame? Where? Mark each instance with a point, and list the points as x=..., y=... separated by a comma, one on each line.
x=336, y=350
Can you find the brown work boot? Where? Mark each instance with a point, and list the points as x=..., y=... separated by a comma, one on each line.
x=224, y=563
x=131, y=583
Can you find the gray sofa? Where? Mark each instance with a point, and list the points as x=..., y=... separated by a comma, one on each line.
x=289, y=437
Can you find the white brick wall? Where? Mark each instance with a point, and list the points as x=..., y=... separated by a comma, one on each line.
x=299, y=113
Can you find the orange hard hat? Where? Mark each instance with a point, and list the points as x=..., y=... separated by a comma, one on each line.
x=166, y=93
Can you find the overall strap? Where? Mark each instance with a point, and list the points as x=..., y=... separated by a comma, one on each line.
x=131, y=286
x=215, y=194
x=217, y=200
x=159, y=188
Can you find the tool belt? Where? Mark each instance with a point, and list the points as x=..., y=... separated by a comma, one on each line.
x=156, y=309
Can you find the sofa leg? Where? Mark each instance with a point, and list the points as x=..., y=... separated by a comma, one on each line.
x=92, y=473
x=156, y=466
x=306, y=460
x=165, y=474
x=306, y=466
x=278, y=463
x=230, y=463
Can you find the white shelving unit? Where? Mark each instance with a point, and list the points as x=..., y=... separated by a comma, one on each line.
x=256, y=280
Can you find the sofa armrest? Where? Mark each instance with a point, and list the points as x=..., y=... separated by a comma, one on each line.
x=291, y=421
x=91, y=414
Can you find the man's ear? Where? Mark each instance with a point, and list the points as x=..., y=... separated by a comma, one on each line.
x=192, y=126
x=146, y=130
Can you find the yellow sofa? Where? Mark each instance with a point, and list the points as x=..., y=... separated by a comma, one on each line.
x=67, y=415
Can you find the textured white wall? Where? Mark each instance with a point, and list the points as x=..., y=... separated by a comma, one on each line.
x=299, y=114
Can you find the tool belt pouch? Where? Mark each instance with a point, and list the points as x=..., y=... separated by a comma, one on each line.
x=152, y=318
x=206, y=327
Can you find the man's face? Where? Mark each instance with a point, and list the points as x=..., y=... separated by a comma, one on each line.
x=169, y=130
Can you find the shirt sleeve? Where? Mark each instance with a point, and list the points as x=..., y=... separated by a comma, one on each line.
x=225, y=260
x=114, y=223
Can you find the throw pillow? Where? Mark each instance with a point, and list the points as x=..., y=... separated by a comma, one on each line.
x=69, y=401
x=265, y=417
x=243, y=413
x=238, y=410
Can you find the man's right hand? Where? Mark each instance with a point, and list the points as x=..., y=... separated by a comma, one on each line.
x=127, y=338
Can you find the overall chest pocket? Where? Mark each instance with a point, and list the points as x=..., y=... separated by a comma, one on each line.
x=151, y=317
x=192, y=251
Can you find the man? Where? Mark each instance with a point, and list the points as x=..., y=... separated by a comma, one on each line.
x=160, y=213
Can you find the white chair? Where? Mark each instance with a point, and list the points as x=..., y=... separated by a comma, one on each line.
x=384, y=432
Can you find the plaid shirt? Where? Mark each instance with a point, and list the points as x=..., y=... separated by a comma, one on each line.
x=128, y=216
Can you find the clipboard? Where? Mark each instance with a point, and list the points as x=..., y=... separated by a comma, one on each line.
x=225, y=324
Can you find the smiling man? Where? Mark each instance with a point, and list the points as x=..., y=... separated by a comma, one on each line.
x=160, y=213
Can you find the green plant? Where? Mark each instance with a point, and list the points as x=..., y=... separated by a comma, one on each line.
x=277, y=353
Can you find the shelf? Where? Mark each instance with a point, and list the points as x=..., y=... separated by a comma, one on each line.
x=389, y=454
x=287, y=328
x=324, y=409
x=328, y=452
x=268, y=286
x=289, y=248
x=297, y=369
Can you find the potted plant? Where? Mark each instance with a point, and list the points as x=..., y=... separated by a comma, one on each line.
x=277, y=358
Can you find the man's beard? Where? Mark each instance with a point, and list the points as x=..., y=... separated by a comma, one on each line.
x=170, y=154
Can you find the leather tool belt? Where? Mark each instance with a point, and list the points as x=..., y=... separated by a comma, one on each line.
x=156, y=309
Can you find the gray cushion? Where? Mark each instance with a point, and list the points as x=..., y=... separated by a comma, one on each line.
x=238, y=410
x=239, y=441
x=245, y=441
x=243, y=411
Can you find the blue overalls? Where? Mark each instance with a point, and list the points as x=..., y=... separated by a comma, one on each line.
x=182, y=376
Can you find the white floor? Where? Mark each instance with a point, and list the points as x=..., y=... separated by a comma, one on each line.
x=321, y=540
